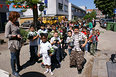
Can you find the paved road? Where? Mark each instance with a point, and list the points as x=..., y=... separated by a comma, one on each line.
x=106, y=42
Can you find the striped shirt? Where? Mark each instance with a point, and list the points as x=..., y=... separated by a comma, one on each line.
x=77, y=38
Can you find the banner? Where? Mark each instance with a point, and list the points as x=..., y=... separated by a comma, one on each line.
x=1, y=5
x=8, y=6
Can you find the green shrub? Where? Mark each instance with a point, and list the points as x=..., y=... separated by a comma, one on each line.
x=23, y=34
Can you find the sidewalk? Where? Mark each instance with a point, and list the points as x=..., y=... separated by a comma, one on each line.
x=96, y=68
x=107, y=46
x=64, y=71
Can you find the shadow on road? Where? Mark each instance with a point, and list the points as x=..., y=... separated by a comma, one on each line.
x=33, y=74
x=55, y=64
x=27, y=64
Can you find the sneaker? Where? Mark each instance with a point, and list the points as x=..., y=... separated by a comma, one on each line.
x=46, y=72
x=86, y=51
x=42, y=65
x=16, y=74
x=80, y=71
x=52, y=73
x=19, y=69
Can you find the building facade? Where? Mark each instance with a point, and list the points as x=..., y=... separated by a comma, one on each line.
x=99, y=14
x=3, y=14
x=59, y=8
x=75, y=12
x=53, y=8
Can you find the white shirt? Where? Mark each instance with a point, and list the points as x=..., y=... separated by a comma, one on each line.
x=54, y=38
x=44, y=47
x=42, y=31
x=34, y=42
x=69, y=39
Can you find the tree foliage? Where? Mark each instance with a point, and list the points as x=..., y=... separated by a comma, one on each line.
x=90, y=15
x=24, y=4
x=106, y=6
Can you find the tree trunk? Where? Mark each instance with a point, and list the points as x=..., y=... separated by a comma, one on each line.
x=35, y=15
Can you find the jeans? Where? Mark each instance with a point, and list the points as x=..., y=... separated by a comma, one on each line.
x=39, y=41
x=58, y=53
x=87, y=46
x=33, y=53
x=69, y=51
x=15, y=60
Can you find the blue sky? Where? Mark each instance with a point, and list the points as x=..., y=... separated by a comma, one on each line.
x=88, y=3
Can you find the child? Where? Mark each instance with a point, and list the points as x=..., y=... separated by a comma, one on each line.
x=93, y=39
x=49, y=28
x=41, y=31
x=84, y=30
x=45, y=46
x=71, y=28
x=97, y=34
x=69, y=40
x=32, y=36
x=55, y=41
x=80, y=28
x=87, y=47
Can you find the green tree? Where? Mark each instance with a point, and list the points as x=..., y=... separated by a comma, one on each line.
x=93, y=14
x=28, y=4
x=106, y=6
x=90, y=15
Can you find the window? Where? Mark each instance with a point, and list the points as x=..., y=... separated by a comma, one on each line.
x=46, y=3
x=66, y=0
x=44, y=12
x=73, y=9
x=60, y=6
x=65, y=8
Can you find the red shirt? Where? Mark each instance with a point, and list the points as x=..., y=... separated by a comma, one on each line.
x=92, y=36
x=84, y=32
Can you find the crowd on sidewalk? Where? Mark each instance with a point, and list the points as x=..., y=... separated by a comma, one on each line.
x=78, y=38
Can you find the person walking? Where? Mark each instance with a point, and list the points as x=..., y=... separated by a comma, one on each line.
x=12, y=32
x=77, y=55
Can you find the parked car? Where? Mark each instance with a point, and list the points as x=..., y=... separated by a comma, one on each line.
x=26, y=23
x=103, y=22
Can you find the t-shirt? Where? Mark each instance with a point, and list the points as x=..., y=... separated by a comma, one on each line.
x=44, y=47
x=93, y=38
x=77, y=38
x=42, y=31
x=69, y=39
x=90, y=25
x=54, y=38
x=32, y=42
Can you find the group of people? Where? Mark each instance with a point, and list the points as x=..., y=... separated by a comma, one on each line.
x=54, y=41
